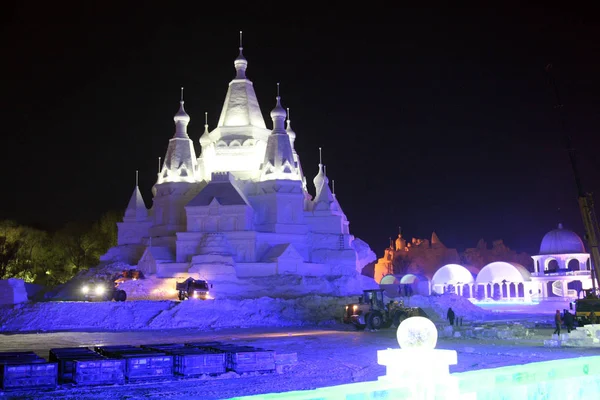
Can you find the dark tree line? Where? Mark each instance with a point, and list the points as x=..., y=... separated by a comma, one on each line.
x=51, y=258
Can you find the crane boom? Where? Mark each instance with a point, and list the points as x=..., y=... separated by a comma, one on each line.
x=585, y=200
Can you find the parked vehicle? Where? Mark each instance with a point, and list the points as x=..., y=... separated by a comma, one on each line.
x=193, y=289
x=102, y=290
x=371, y=311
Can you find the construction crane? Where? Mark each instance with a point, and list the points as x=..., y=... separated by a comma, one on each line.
x=586, y=201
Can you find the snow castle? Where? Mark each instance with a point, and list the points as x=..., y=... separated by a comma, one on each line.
x=240, y=209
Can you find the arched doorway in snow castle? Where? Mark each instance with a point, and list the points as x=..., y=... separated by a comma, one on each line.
x=501, y=280
x=453, y=278
x=562, y=268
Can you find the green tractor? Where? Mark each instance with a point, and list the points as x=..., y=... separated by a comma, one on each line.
x=373, y=313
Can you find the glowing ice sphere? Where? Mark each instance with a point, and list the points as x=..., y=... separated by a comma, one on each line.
x=417, y=333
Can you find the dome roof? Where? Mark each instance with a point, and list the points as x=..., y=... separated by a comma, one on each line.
x=561, y=241
x=499, y=271
x=451, y=274
x=278, y=111
x=181, y=115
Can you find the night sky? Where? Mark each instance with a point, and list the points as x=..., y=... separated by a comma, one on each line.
x=432, y=120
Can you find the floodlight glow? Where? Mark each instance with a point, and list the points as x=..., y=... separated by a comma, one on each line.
x=99, y=290
x=417, y=333
x=85, y=289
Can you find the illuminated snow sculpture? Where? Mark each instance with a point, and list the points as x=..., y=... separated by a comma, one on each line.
x=417, y=365
x=241, y=208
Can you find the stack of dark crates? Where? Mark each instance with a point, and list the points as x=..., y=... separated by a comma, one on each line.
x=242, y=359
x=83, y=366
x=140, y=363
x=193, y=360
x=26, y=370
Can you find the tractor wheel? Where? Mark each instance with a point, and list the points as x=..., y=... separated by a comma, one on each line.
x=398, y=318
x=374, y=320
x=122, y=295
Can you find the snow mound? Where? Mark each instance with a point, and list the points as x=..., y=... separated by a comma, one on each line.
x=153, y=315
x=439, y=304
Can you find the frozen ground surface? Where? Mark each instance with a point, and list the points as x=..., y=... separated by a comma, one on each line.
x=326, y=357
x=329, y=353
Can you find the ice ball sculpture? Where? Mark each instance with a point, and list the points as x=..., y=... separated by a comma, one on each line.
x=417, y=333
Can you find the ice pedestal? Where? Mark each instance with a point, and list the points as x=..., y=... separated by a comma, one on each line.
x=417, y=366
x=424, y=372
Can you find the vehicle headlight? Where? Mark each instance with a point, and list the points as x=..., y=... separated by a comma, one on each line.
x=354, y=307
x=85, y=289
x=99, y=289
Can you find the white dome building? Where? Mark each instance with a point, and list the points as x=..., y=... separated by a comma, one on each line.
x=562, y=269
x=404, y=284
x=502, y=280
x=453, y=278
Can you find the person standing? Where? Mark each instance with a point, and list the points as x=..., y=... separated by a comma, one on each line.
x=557, y=322
x=568, y=321
x=450, y=315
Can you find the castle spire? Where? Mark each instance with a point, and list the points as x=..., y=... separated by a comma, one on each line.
x=136, y=208
x=241, y=106
x=320, y=177
x=279, y=157
x=180, y=162
x=205, y=123
x=289, y=129
x=240, y=62
x=182, y=119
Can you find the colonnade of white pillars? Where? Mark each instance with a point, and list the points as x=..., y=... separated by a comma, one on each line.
x=490, y=289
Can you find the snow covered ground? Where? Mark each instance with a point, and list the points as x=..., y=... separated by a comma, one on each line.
x=329, y=352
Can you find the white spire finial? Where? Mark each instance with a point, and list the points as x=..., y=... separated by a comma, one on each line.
x=277, y=89
x=320, y=157
x=136, y=178
x=159, y=165
x=333, y=186
x=181, y=95
x=288, y=114
x=240, y=63
x=205, y=118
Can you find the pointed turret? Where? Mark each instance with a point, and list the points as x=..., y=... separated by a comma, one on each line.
x=320, y=177
x=180, y=163
x=289, y=129
x=324, y=198
x=182, y=119
x=279, y=157
x=136, y=209
x=292, y=136
x=241, y=106
x=335, y=206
